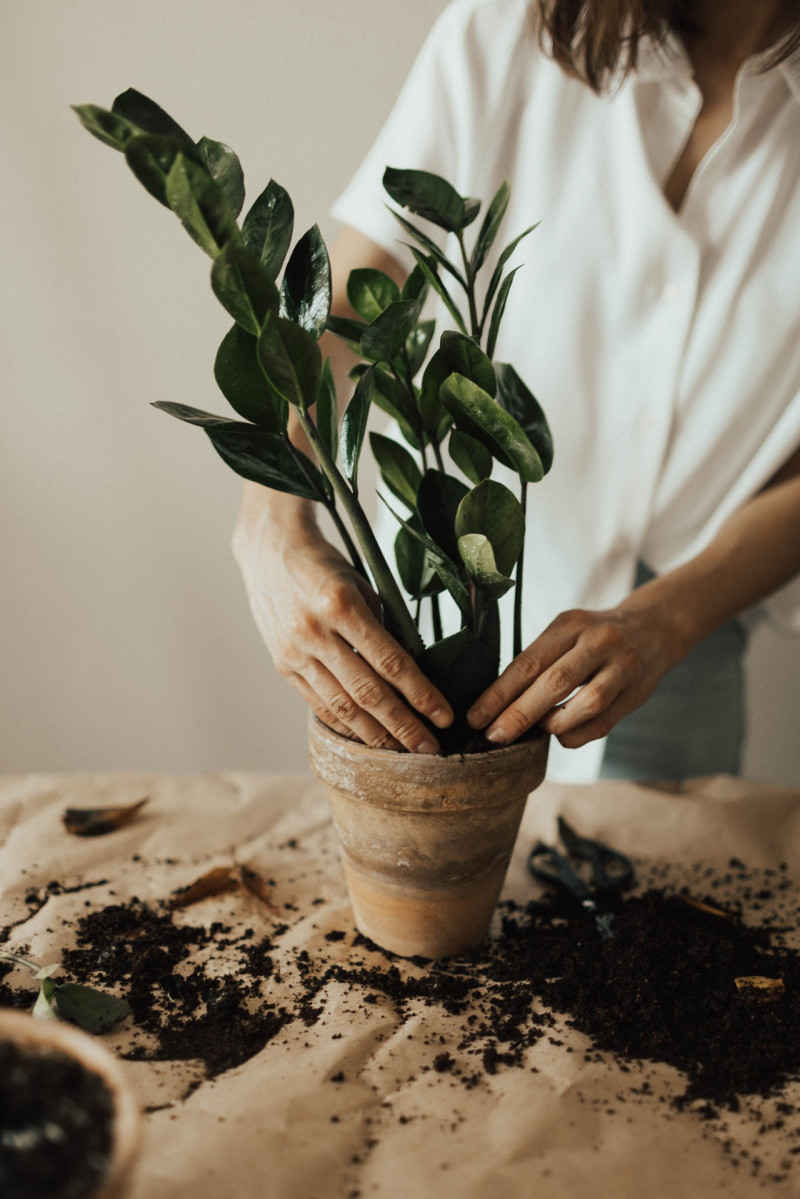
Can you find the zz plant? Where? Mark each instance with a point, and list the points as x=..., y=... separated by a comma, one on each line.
x=467, y=541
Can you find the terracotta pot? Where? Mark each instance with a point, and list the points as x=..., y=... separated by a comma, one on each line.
x=56, y=1037
x=425, y=840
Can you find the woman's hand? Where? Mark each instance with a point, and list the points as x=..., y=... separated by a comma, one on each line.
x=616, y=658
x=320, y=621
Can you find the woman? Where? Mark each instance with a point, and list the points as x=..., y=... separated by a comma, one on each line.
x=657, y=320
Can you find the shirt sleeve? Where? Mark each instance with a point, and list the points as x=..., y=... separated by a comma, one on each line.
x=440, y=118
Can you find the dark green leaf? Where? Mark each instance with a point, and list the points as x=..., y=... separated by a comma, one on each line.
x=428, y=268
x=151, y=159
x=385, y=337
x=445, y=567
x=393, y=399
x=242, y=381
x=243, y=287
x=415, y=286
x=521, y=403
x=196, y=416
x=142, y=111
x=306, y=287
x=429, y=196
x=349, y=330
x=225, y=169
x=456, y=353
x=492, y=511
x=430, y=245
x=267, y=228
x=370, y=292
x=478, y=557
x=265, y=458
x=291, y=360
x=472, y=207
x=90, y=1009
x=107, y=127
x=413, y=562
x=196, y=199
x=399, y=470
x=499, y=309
x=461, y=667
x=417, y=345
x=470, y=456
x=327, y=411
x=497, y=273
x=476, y=413
x=354, y=424
x=491, y=223
x=438, y=498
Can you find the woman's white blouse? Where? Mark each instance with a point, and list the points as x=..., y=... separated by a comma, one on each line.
x=664, y=347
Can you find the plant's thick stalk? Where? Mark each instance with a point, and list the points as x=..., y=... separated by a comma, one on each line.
x=470, y=290
x=330, y=506
x=523, y=499
x=403, y=626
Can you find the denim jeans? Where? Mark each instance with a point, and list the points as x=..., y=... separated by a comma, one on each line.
x=693, y=723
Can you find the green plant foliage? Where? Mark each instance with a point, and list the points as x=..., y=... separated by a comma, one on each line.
x=269, y=367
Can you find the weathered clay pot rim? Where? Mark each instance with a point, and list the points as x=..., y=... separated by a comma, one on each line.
x=26, y=1030
x=426, y=782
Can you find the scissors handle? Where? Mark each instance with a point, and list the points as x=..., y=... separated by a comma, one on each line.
x=550, y=867
x=611, y=870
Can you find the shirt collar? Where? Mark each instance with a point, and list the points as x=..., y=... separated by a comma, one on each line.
x=666, y=60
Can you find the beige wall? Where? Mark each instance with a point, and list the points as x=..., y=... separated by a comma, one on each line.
x=125, y=639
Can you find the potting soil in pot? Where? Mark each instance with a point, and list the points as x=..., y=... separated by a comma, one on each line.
x=55, y=1125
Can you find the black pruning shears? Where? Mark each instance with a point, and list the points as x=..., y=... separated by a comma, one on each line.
x=610, y=872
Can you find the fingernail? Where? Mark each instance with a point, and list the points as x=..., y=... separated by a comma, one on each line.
x=441, y=717
x=427, y=747
x=476, y=717
x=497, y=736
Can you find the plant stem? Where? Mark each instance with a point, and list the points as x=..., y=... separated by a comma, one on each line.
x=523, y=499
x=391, y=597
x=330, y=504
x=437, y=618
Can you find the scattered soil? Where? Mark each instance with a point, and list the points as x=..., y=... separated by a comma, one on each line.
x=55, y=1125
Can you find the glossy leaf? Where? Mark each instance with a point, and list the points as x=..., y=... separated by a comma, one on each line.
x=490, y=226
x=140, y=110
x=431, y=197
x=243, y=383
x=417, y=345
x=43, y=1008
x=90, y=1009
x=399, y=470
x=393, y=399
x=265, y=458
x=108, y=127
x=370, y=292
x=243, y=287
x=349, y=330
x=493, y=511
x=291, y=360
x=197, y=201
x=470, y=456
x=327, y=411
x=520, y=402
x=478, y=558
x=428, y=268
x=267, y=228
x=354, y=424
x=225, y=169
x=385, y=337
x=430, y=245
x=444, y=566
x=414, y=564
x=456, y=353
x=498, y=310
x=461, y=666
x=196, y=416
x=151, y=159
x=474, y=411
x=438, y=498
x=306, y=287
x=415, y=286
x=497, y=273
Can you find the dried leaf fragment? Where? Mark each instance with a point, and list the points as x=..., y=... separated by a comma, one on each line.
x=705, y=907
x=96, y=822
x=757, y=986
x=255, y=885
x=214, y=882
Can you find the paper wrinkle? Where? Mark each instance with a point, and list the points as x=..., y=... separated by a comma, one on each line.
x=265, y=1130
